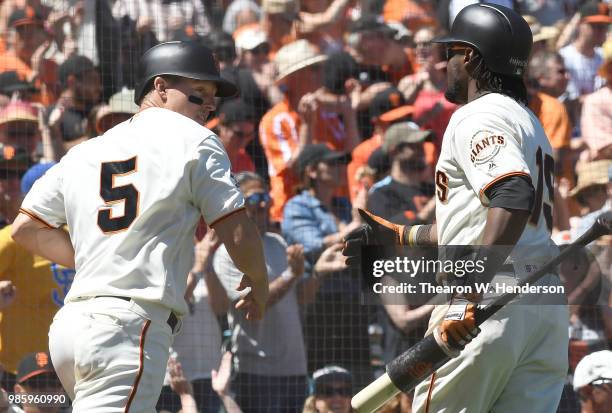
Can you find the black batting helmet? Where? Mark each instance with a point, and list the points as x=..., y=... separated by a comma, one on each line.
x=187, y=59
x=500, y=35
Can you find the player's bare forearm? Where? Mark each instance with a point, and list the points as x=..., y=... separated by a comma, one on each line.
x=243, y=244
x=51, y=243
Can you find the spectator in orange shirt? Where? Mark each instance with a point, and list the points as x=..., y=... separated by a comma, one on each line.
x=286, y=128
x=236, y=130
x=551, y=112
x=414, y=14
x=25, y=52
x=387, y=107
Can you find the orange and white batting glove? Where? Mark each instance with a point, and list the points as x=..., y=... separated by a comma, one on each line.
x=374, y=231
x=459, y=325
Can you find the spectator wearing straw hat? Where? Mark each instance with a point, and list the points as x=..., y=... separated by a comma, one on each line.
x=19, y=125
x=286, y=128
x=596, y=118
x=120, y=108
x=593, y=191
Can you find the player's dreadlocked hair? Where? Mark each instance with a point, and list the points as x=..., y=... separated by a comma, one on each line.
x=487, y=80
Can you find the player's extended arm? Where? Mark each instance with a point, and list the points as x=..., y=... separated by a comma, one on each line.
x=51, y=243
x=243, y=243
x=378, y=231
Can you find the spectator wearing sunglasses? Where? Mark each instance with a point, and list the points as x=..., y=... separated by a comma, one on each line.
x=593, y=382
x=270, y=373
x=331, y=391
x=236, y=129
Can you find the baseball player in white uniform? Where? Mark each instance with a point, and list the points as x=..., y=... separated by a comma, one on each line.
x=131, y=200
x=494, y=182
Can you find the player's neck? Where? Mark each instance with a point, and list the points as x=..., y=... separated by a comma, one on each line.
x=475, y=93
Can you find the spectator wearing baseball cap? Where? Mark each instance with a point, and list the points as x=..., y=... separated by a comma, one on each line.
x=236, y=126
x=593, y=382
x=12, y=83
x=36, y=374
x=318, y=220
x=400, y=196
x=81, y=90
x=373, y=43
x=287, y=127
x=583, y=57
x=278, y=21
x=331, y=391
x=30, y=40
x=596, y=119
x=387, y=107
x=241, y=13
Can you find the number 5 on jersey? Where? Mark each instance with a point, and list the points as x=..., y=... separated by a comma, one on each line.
x=111, y=194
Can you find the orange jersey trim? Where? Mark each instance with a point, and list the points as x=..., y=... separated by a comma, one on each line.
x=430, y=391
x=499, y=178
x=36, y=218
x=143, y=335
x=226, y=216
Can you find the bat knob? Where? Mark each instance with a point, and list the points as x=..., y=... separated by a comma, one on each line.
x=604, y=221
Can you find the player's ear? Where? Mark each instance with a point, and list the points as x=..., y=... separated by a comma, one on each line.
x=160, y=85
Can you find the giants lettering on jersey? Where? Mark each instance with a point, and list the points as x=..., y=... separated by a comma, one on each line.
x=484, y=146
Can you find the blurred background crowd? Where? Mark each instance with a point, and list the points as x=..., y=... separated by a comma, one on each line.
x=341, y=106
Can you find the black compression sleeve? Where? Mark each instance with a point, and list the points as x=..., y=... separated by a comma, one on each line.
x=513, y=192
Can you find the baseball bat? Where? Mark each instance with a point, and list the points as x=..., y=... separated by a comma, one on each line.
x=418, y=362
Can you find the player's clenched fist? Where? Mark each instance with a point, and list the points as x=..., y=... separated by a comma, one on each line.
x=374, y=231
x=459, y=325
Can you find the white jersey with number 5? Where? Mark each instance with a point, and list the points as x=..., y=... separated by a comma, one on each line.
x=132, y=199
x=488, y=139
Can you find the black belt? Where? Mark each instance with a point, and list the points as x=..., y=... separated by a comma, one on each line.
x=172, y=319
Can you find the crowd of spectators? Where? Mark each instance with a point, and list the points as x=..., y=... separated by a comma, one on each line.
x=341, y=107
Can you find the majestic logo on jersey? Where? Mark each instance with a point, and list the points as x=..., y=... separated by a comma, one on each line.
x=484, y=146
